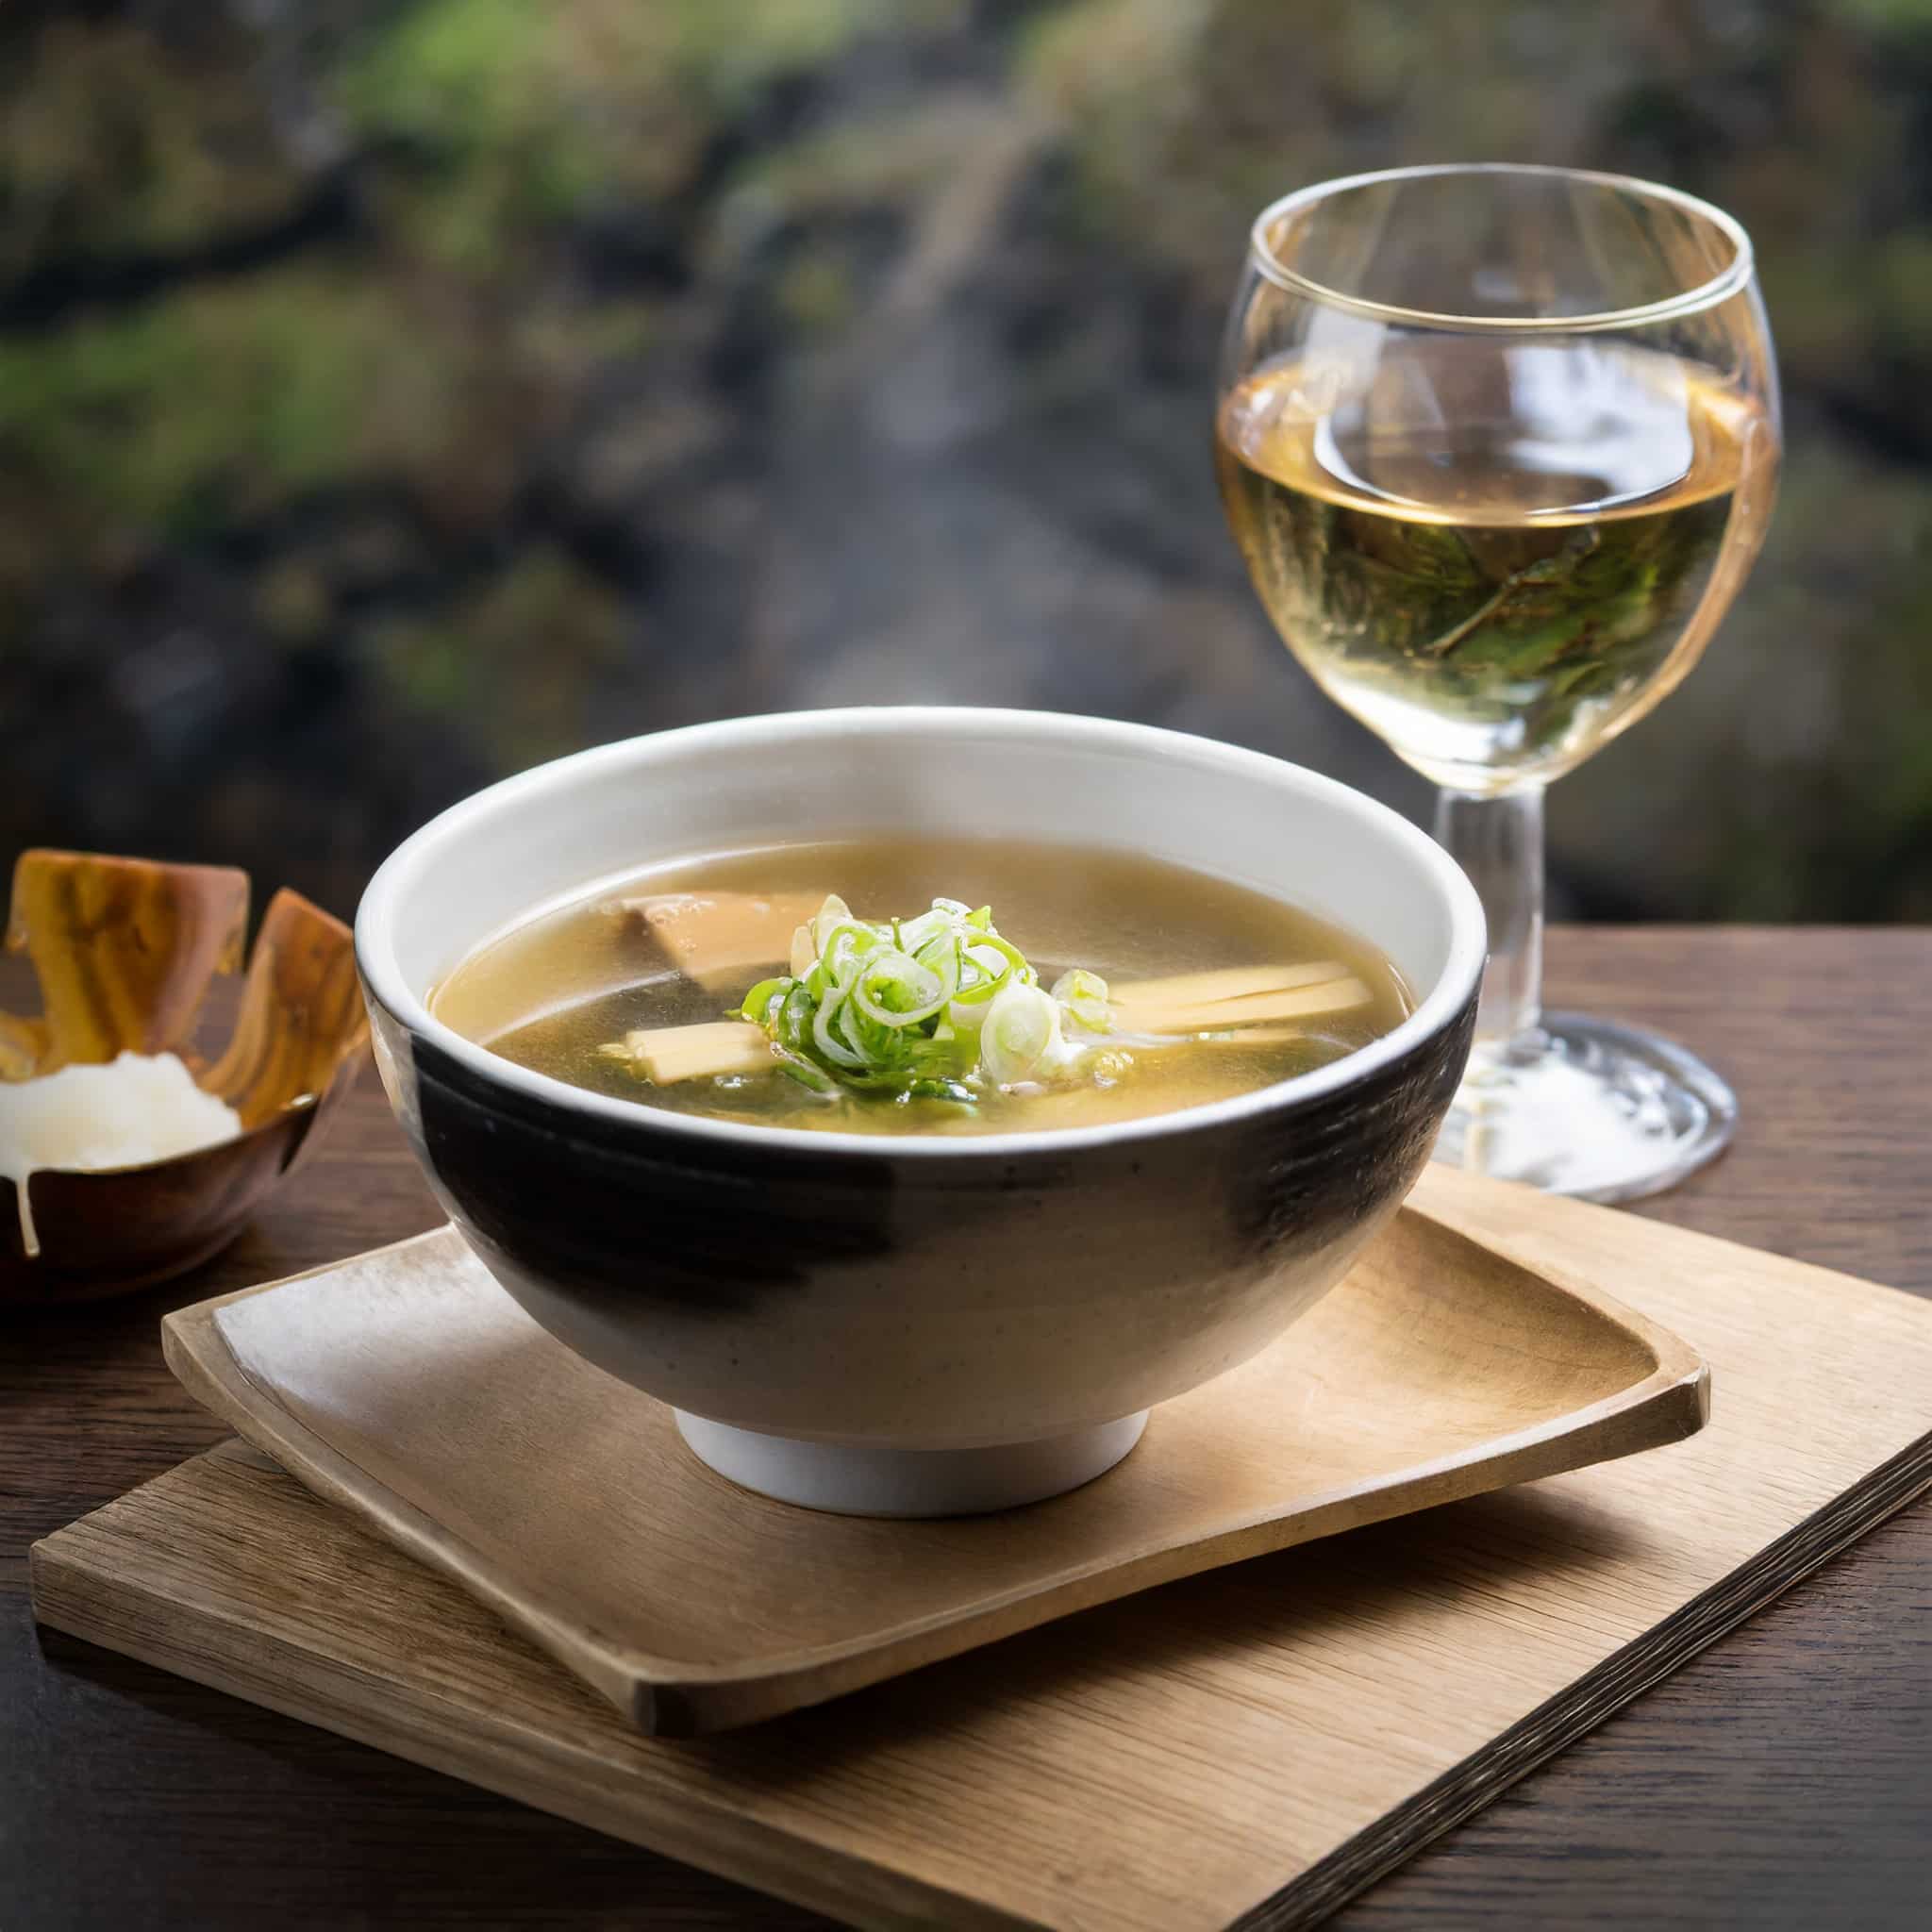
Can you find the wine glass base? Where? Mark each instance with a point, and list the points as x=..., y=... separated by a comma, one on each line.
x=1590, y=1109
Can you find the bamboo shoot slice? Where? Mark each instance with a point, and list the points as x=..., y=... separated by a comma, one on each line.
x=668, y=1054
x=1240, y=1036
x=1292, y=1003
x=1225, y=983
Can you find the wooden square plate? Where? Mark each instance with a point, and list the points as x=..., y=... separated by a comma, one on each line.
x=408, y=1387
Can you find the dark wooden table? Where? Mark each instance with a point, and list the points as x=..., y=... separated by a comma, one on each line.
x=1784, y=1779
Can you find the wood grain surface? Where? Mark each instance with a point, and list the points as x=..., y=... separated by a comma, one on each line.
x=123, y=949
x=408, y=1387
x=1254, y=1744
x=1785, y=1779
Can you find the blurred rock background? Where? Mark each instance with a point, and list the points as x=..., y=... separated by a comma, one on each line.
x=395, y=393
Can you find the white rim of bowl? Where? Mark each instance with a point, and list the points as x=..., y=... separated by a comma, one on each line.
x=1454, y=985
x=1734, y=276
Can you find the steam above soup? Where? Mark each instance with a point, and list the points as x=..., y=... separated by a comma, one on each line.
x=885, y=986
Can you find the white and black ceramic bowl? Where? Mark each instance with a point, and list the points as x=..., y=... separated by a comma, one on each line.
x=917, y=1325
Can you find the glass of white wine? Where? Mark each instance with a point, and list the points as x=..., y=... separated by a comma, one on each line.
x=1499, y=444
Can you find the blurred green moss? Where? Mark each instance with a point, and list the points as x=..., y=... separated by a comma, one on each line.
x=113, y=139
x=511, y=662
x=476, y=375
x=1886, y=16
x=537, y=113
x=229, y=397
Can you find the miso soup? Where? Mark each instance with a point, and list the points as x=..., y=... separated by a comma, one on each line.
x=920, y=987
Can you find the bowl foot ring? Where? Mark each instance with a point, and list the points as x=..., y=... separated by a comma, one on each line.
x=857, y=1480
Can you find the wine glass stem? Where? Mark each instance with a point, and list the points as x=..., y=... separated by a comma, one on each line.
x=1499, y=842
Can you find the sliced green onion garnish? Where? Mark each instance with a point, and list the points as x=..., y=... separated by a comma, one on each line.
x=939, y=1007
x=915, y=933
x=809, y=1076
x=756, y=1005
x=843, y=1053
x=941, y=1089
x=1084, y=995
x=1020, y=1034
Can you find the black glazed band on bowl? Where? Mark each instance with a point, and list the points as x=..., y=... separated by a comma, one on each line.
x=917, y=1292
x=640, y=1250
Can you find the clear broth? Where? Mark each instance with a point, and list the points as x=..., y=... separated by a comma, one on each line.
x=549, y=994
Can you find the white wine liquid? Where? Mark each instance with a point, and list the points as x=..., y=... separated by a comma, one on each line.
x=1496, y=557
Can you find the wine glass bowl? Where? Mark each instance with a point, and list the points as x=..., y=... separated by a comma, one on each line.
x=1499, y=444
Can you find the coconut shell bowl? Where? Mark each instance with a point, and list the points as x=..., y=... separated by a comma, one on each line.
x=127, y=952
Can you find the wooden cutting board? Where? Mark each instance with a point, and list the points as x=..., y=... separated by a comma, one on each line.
x=1254, y=1744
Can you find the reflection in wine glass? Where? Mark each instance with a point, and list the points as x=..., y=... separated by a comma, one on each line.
x=1499, y=444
